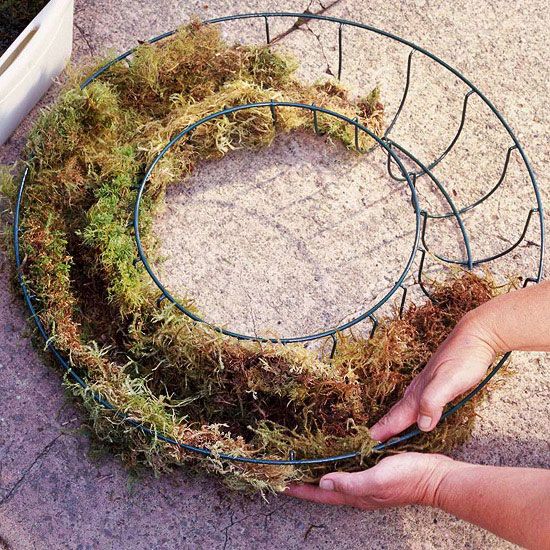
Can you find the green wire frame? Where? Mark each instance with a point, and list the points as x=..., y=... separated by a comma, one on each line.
x=410, y=177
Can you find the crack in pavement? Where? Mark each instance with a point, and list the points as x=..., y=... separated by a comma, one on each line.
x=84, y=37
x=233, y=521
x=304, y=20
x=328, y=69
x=226, y=530
x=27, y=470
x=267, y=516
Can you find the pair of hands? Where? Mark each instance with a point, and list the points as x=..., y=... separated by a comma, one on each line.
x=414, y=478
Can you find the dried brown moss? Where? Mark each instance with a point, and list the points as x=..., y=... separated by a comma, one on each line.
x=183, y=380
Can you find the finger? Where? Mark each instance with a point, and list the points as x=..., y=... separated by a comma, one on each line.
x=402, y=415
x=450, y=380
x=313, y=493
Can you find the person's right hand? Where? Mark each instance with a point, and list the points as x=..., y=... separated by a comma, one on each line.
x=457, y=365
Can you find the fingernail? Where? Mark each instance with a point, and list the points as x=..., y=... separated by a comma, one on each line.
x=424, y=422
x=375, y=436
x=326, y=484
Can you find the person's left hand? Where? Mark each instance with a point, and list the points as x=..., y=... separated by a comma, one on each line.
x=408, y=478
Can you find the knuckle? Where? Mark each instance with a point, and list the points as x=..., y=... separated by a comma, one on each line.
x=410, y=398
x=350, y=486
x=429, y=402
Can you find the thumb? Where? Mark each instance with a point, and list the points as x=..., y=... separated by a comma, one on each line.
x=448, y=382
x=400, y=416
x=352, y=484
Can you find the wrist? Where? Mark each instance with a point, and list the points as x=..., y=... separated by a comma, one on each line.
x=449, y=484
x=482, y=327
x=438, y=481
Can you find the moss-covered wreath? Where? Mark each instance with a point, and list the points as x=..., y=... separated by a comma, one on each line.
x=153, y=363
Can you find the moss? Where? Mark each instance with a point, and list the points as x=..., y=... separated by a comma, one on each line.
x=152, y=363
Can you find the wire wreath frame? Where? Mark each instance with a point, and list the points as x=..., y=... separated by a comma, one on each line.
x=422, y=217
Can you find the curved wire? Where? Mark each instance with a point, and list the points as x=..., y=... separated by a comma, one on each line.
x=484, y=197
x=403, y=97
x=443, y=191
x=482, y=260
x=435, y=162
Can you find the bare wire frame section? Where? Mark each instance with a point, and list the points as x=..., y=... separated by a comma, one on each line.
x=419, y=246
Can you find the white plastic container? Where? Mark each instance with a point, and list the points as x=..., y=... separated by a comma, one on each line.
x=29, y=65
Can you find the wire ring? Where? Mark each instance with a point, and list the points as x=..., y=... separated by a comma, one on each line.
x=273, y=105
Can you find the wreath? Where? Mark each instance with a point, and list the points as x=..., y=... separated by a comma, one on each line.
x=157, y=368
